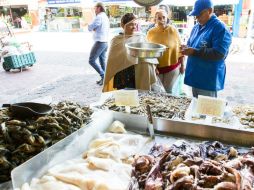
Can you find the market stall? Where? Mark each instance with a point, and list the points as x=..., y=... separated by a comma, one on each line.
x=127, y=146
x=42, y=137
x=160, y=141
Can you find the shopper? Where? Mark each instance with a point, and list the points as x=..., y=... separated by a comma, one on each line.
x=124, y=71
x=17, y=22
x=207, y=49
x=168, y=11
x=171, y=64
x=100, y=27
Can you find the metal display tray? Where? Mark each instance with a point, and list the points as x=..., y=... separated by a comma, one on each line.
x=70, y=147
x=194, y=130
x=75, y=144
x=198, y=129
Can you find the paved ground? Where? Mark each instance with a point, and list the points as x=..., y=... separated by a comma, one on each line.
x=240, y=79
x=62, y=70
x=63, y=73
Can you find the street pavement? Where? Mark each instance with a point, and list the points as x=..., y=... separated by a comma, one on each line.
x=62, y=71
x=240, y=79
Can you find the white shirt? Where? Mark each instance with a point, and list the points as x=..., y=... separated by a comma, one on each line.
x=100, y=26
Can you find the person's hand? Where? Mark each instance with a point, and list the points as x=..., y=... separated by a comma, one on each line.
x=157, y=71
x=182, y=69
x=185, y=50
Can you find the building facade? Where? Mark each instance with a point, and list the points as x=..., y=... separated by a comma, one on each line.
x=19, y=13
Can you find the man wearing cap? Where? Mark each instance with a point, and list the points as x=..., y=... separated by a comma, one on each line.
x=207, y=49
x=100, y=27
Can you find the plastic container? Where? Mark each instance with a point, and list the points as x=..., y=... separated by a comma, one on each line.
x=18, y=61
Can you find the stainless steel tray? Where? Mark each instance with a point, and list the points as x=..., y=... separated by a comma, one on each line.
x=208, y=132
x=193, y=130
x=68, y=148
x=239, y=136
x=74, y=145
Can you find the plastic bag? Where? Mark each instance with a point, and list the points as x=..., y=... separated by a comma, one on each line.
x=10, y=41
x=158, y=86
x=177, y=89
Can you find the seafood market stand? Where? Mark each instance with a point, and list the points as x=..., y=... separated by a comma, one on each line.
x=170, y=126
x=170, y=129
x=107, y=146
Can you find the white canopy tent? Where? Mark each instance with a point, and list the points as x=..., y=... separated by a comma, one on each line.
x=129, y=3
x=168, y=2
x=191, y=2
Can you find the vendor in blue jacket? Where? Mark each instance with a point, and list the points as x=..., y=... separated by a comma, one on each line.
x=207, y=49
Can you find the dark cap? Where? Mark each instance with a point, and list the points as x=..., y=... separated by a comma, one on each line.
x=199, y=6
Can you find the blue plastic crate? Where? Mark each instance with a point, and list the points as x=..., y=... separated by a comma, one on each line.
x=18, y=61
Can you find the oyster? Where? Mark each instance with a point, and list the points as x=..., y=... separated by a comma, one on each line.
x=245, y=113
x=22, y=139
x=162, y=105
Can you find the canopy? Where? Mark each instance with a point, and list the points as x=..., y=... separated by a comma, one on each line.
x=63, y=1
x=129, y=3
x=191, y=2
x=13, y=2
x=169, y=2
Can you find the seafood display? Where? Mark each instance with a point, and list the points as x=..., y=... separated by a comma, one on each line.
x=189, y=166
x=245, y=114
x=162, y=105
x=22, y=139
x=118, y=160
x=105, y=165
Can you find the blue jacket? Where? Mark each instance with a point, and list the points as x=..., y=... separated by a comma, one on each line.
x=203, y=73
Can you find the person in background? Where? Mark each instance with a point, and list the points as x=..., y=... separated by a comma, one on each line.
x=100, y=27
x=24, y=23
x=124, y=71
x=17, y=22
x=207, y=49
x=167, y=10
x=68, y=14
x=171, y=64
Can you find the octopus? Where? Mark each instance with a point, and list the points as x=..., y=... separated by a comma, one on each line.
x=184, y=166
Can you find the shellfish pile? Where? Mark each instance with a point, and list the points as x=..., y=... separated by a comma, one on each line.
x=185, y=166
x=246, y=115
x=162, y=105
x=23, y=139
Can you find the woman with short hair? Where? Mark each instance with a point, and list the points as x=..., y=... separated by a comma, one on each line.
x=124, y=71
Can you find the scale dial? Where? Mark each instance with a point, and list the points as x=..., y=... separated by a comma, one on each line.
x=147, y=3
